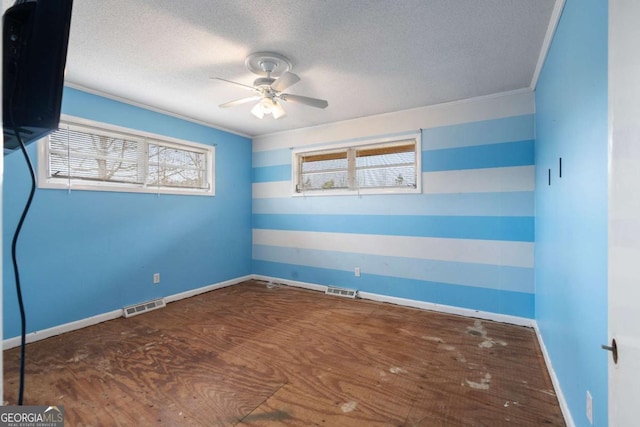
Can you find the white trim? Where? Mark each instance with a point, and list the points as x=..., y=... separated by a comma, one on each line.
x=86, y=125
x=150, y=108
x=94, y=320
x=61, y=329
x=546, y=43
x=449, y=309
x=564, y=407
x=350, y=146
x=467, y=312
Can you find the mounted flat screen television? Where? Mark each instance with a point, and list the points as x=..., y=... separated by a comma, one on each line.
x=34, y=41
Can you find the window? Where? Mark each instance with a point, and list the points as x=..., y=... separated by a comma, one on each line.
x=388, y=166
x=100, y=157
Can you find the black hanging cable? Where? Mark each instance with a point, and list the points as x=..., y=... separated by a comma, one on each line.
x=14, y=243
x=16, y=234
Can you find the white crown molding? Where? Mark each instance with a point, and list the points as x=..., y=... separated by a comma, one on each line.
x=546, y=43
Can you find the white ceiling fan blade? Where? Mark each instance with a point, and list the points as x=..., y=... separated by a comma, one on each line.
x=286, y=80
x=234, y=83
x=239, y=101
x=312, y=102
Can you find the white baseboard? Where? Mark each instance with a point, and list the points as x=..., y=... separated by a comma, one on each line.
x=568, y=419
x=503, y=318
x=61, y=329
x=94, y=320
x=449, y=309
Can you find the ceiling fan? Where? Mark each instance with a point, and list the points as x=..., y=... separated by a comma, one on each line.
x=275, y=77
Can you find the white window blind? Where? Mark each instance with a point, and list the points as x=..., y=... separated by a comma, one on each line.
x=94, y=156
x=176, y=167
x=387, y=166
x=324, y=171
x=91, y=158
x=381, y=167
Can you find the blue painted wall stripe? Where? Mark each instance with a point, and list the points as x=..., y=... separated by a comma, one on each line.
x=515, y=128
x=271, y=158
x=520, y=153
x=507, y=278
x=491, y=300
x=271, y=173
x=472, y=227
x=517, y=203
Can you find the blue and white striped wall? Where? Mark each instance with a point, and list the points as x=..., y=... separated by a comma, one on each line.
x=467, y=241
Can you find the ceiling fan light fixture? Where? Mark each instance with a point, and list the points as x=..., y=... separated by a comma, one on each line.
x=278, y=111
x=267, y=104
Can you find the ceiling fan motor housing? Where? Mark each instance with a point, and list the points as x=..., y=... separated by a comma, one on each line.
x=263, y=82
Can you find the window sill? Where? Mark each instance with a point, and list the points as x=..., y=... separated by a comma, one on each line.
x=65, y=185
x=362, y=192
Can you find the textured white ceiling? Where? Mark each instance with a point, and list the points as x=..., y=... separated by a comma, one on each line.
x=365, y=57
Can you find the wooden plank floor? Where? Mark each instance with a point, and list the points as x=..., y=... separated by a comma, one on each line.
x=248, y=355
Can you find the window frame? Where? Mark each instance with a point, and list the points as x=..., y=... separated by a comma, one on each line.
x=351, y=148
x=46, y=181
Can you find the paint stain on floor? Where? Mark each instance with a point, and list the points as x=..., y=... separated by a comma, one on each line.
x=446, y=347
x=479, y=330
x=484, y=383
x=349, y=406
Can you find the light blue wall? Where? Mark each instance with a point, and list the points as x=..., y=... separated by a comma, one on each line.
x=571, y=214
x=86, y=253
x=467, y=241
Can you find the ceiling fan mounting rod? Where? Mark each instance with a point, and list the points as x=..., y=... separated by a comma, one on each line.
x=267, y=63
x=268, y=67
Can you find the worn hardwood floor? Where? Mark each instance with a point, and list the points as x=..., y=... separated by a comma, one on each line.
x=248, y=355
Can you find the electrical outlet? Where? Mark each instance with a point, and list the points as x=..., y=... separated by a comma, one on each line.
x=156, y=278
x=589, y=408
x=357, y=271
